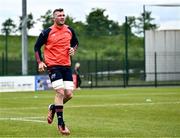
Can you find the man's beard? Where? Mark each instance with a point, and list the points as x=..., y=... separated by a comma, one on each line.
x=60, y=23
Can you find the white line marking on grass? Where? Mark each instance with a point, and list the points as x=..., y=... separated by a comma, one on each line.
x=124, y=104
x=129, y=94
x=96, y=105
x=25, y=119
x=37, y=119
x=21, y=108
x=94, y=95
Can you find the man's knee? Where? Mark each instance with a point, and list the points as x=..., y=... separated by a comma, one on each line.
x=69, y=94
x=60, y=92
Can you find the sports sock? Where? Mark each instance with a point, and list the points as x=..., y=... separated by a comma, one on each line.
x=59, y=112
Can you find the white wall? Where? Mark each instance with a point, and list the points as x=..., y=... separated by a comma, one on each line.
x=166, y=44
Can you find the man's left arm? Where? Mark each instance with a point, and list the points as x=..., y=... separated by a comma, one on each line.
x=74, y=43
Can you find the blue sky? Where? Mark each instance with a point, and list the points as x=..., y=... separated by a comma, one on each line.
x=78, y=9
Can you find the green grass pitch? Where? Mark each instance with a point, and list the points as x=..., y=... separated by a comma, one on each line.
x=129, y=112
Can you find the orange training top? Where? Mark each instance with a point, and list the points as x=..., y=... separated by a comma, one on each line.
x=58, y=41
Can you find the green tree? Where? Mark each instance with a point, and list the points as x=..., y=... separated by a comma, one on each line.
x=145, y=22
x=30, y=22
x=70, y=21
x=8, y=26
x=78, y=26
x=46, y=19
x=131, y=23
x=114, y=28
x=98, y=24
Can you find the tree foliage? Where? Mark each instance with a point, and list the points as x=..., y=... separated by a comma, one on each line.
x=46, y=19
x=70, y=21
x=144, y=22
x=131, y=23
x=8, y=26
x=98, y=24
x=30, y=22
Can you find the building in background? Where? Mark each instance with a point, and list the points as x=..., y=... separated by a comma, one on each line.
x=165, y=64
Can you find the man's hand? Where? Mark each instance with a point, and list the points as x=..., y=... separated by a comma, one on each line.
x=71, y=51
x=41, y=67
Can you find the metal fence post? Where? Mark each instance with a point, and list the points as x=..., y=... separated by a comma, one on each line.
x=96, y=70
x=2, y=63
x=155, y=69
x=126, y=53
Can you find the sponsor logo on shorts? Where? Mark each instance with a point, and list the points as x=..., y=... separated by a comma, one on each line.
x=53, y=76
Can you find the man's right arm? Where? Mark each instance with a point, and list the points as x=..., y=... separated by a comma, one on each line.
x=42, y=39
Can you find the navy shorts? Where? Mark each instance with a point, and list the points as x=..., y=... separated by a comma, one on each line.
x=60, y=72
x=61, y=77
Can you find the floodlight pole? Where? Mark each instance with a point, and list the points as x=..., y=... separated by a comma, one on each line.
x=24, y=39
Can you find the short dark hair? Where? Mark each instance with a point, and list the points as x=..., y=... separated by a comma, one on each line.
x=59, y=10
